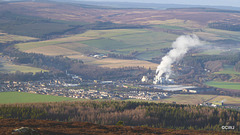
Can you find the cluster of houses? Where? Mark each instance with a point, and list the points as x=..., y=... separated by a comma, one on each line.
x=146, y=95
x=72, y=88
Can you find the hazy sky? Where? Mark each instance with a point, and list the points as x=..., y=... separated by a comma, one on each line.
x=235, y=3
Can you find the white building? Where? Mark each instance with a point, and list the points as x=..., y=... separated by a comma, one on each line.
x=144, y=79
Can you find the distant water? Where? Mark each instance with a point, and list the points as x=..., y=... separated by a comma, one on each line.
x=172, y=87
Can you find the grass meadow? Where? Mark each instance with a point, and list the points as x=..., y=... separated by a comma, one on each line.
x=23, y=97
x=228, y=69
x=11, y=68
x=224, y=85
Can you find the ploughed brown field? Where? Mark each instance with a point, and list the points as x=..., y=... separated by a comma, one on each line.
x=45, y=127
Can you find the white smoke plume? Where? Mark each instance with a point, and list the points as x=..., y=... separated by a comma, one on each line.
x=180, y=48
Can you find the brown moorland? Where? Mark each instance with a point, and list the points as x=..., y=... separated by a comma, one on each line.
x=80, y=13
x=45, y=127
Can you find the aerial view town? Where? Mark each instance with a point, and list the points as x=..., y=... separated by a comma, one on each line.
x=119, y=67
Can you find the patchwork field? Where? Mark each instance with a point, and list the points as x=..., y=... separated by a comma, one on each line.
x=119, y=41
x=223, y=34
x=224, y=85
x=22, y=97
x=146, y=42
x=158, y=29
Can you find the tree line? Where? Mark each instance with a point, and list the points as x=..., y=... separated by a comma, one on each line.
x=21, y=76
x=131, y=113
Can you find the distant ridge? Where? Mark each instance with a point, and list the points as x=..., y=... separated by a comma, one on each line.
x=132, y=4
x=205, y=9
x=147, y=5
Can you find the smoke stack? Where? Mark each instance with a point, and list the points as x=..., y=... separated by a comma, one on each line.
x=180, y=48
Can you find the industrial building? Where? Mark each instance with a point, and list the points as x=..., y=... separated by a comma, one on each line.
x=164, y=81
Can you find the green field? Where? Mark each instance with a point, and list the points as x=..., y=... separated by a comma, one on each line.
x=224, y=85
x=105, y=44
x=228, y=69
x=22, y=97
x=169, y=27
x=149, y=54
x=211, y=52
x=11, y=68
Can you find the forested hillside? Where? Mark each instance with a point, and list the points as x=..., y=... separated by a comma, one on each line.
x=130, y=113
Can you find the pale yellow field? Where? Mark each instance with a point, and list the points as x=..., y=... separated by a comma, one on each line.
x=227, y=100
x=53, y=51
x=73, y=38
x=192, y=99
x=118, y=63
